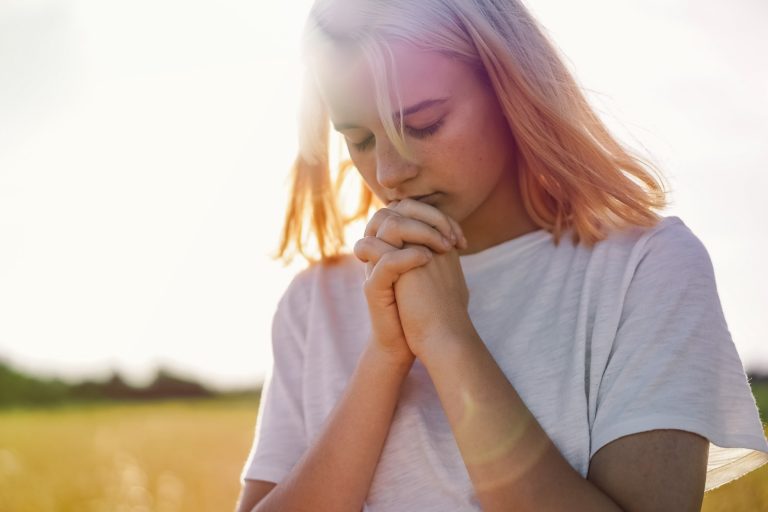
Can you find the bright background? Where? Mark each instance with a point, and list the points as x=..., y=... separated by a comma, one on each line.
x=145, y=146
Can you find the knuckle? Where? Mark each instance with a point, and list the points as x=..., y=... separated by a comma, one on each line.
x=360, y=248
x=423, y=251
x=376, y=220
x=365, y=240
x=382, y=226
x=390, y=221
x=389, y=226
x=385, y=213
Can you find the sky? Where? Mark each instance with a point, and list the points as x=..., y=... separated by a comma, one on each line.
x=145, y=148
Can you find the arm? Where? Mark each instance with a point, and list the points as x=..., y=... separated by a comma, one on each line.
x=668, y=470
x=252, y=492
x=336, y=472
x=513, y=463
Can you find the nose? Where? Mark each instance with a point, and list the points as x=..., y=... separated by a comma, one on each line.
x=392, y=168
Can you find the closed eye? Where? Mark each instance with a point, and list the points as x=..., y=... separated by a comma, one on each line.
x=419, y=133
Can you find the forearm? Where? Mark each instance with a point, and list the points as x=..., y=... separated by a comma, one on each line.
x=336, y=471
x=512, y=462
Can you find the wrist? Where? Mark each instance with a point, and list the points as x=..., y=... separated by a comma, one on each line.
x=393, y=361
x=447, y=342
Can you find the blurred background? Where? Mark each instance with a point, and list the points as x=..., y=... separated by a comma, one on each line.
x=144, y=156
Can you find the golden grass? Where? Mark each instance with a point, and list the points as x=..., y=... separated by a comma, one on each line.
x=161, y=457
x=168, y=457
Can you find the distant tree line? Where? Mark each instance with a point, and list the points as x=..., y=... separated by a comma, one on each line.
x=757, y=377
x=17, y=388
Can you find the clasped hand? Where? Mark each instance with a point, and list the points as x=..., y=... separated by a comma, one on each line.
x=414, y=286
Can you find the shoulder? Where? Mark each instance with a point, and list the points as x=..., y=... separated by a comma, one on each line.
x=669, y=234
x=666, y=248
x=671, y=251
x=641, y=238
x=310, y=293
x=323, y=278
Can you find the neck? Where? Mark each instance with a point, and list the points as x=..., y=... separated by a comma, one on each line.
x=503, y=217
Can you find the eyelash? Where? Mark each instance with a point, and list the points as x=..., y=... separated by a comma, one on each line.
x=420, y=133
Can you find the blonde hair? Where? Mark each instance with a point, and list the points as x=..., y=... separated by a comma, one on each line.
x=571, y=171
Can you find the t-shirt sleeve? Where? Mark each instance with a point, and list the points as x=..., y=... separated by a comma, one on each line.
x=673, y=364
x=280, y=436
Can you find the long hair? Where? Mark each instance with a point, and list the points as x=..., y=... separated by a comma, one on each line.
x=571, y=171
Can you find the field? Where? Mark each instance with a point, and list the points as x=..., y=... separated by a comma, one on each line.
x=171, y=456
x=154, y=457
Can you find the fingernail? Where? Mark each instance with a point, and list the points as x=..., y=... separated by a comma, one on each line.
x=453, y=238
x=447, y=243
x=464, y=241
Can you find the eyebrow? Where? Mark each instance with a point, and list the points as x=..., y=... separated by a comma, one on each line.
x=406, y=112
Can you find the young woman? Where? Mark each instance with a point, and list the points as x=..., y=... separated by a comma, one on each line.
x=517, y=329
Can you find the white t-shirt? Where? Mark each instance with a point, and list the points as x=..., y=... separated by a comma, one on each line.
x=600, y=343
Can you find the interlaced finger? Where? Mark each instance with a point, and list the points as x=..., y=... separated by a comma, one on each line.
x=397, y=230
x=370, y=249
x=393, y=264
x=429, y=215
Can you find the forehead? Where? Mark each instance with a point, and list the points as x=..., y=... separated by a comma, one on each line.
x=348, y=88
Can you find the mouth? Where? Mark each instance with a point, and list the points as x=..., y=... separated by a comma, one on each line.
x=428, y=198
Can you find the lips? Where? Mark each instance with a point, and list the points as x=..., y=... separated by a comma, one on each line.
x=428, y=198
x=419, y=198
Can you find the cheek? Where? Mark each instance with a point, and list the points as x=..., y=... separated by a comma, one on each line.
x=465, y=155
x=489, y=145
